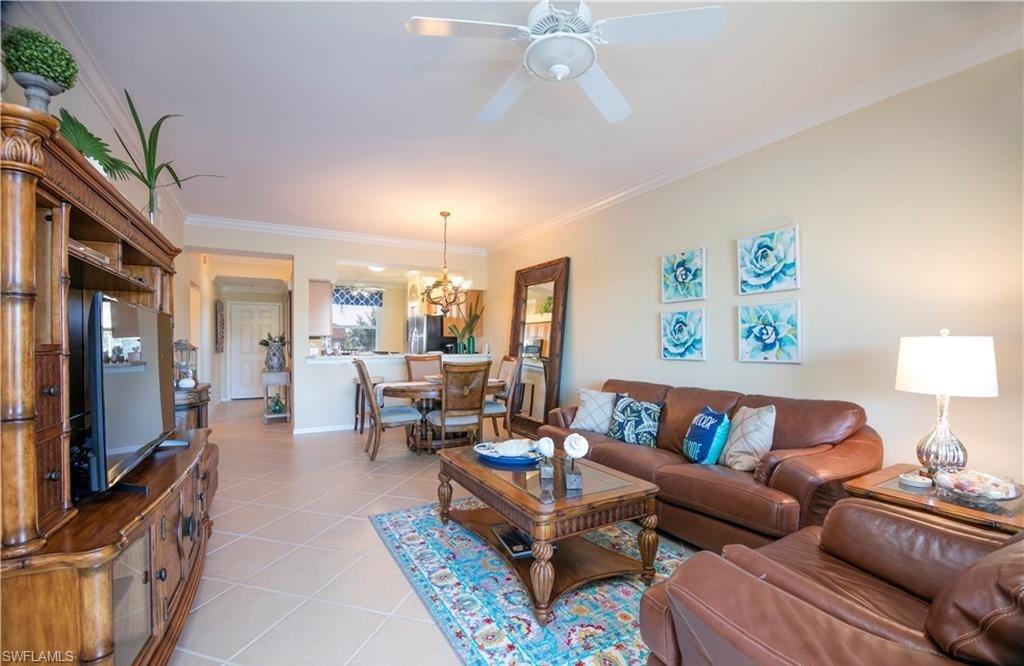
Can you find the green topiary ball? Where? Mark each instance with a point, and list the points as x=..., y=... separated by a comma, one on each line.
x=32, y=52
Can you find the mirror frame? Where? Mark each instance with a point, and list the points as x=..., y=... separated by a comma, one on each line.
x=556, y=271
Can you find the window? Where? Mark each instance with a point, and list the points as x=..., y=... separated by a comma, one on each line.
x=354, y=327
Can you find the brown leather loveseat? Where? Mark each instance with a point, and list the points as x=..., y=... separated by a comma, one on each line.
x=818, y=444
x=877, y=584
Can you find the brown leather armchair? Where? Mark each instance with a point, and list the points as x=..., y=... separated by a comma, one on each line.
x=876, y=584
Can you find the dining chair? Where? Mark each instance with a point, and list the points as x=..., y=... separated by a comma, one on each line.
x=418, y=366
x=501, y=405
x=382, y=418
x=463, y=388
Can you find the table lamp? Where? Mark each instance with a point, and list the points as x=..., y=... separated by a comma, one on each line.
x=945, y=366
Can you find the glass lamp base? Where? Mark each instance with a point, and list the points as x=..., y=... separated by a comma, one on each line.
x=941, y=449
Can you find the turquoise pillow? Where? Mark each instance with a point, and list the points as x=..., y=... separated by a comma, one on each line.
x=635, y=422
x=706, y=437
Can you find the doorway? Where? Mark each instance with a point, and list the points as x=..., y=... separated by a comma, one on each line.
x=248, y=323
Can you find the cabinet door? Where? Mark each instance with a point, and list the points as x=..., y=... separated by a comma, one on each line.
x=170, y=554
x=190, y=514
x=133, y=600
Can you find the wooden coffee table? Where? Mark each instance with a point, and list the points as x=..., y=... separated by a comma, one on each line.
x=549, y=513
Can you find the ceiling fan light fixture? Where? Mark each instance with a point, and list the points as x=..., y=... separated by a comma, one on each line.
x=559, y=56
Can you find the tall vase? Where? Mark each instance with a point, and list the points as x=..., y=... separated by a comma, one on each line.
x=471, y=345
x=275, y=360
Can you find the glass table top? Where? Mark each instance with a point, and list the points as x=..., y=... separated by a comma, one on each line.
x=1008, y=508
x=563, y=484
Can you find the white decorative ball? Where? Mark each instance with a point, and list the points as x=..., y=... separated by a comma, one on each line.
x=576, y=445
x=546, y=447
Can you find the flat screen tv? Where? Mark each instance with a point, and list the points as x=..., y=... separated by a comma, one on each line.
x=129, y=386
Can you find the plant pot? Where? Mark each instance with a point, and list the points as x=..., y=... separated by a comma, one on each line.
x=38, y=90
x=275, y=360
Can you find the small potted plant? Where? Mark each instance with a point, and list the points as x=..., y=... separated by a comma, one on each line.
x=40, y=64
x=467, y=343
x=148, y=170
x=275, y=360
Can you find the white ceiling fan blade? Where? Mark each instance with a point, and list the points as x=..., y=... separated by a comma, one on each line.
x=506, y=96
x=441, y=27
x=674, y=26
x=605, y=96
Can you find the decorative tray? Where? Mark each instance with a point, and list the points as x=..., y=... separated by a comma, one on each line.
x=976, y=487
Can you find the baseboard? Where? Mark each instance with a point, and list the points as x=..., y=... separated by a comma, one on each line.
x=327, y=428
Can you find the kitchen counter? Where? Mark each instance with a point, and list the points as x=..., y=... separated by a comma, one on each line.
x=399, y=359
x=331, y=382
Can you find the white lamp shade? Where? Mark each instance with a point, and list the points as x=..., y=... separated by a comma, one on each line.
x=948, y=365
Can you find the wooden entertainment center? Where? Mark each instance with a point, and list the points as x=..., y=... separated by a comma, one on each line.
x=110, y=579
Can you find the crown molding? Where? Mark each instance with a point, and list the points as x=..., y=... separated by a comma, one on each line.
x=299, y=231
x=51, y=18
x=907, y=78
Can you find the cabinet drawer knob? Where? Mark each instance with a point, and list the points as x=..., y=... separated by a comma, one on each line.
x=52, y=476
x=52, y=391
x=161, y=575
x=188, y=526
x=201, y=497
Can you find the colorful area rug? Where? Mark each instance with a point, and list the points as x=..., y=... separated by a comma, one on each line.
x=485, y=612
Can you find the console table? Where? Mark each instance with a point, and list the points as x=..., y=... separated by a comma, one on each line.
x=191, y=407
x=282, y=379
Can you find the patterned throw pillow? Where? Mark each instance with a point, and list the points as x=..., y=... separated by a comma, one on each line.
x=750, y=437
x=595, y=411
x=706, y=437
x=635, y=422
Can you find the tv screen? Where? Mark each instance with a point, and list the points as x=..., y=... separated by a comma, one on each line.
x=131, y=386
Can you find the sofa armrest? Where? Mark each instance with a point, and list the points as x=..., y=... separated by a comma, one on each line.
x=764, y=625
x=770, y=461
x=656, y=626
x=912, y=550
x=562, y=416
x=816, y=481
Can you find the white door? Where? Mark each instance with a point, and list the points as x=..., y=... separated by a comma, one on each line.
x=248, y=323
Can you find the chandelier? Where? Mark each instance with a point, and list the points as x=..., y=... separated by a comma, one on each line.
x=446, y=292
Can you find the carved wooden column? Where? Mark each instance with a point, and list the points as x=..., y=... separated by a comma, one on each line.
x=21, y=166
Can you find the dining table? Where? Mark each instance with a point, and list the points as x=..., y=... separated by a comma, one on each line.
x=429, y=388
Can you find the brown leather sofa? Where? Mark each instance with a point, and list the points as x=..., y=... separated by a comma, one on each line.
x=818, y=444
x=876, y=584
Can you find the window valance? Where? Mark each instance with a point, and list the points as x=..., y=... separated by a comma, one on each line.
x=358, y=296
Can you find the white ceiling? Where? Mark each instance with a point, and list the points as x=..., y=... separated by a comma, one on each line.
x=330, y=115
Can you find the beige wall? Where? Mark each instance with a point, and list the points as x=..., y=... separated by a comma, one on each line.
x=910, y=220
x=80, y=103
x=317, y=259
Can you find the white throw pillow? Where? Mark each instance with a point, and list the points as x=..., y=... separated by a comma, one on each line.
x=595, y=411
x=750, y=437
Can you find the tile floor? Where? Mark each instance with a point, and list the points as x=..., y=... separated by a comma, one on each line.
x=295, y=572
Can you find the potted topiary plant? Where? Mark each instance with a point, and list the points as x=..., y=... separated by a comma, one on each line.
x=40, y=64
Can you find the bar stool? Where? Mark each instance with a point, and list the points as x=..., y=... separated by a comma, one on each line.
x=360, y=418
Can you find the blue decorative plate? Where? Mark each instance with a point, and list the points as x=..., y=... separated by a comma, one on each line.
x=489, y=455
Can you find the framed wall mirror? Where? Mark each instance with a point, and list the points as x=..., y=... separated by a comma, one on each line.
x=538, y=327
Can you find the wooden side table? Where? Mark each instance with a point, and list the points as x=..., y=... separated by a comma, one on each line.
x=283, y=381
x=884, y=486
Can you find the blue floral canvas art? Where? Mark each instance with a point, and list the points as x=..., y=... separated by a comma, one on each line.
x=770, y=333
x=682, y=335
x=769, y=261
x=682, y=276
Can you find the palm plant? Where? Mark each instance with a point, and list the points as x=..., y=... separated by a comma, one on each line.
x=90, y=145
x=148, y=172
x=472, y=318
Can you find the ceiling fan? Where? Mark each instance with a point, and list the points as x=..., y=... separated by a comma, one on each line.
x=562, y=46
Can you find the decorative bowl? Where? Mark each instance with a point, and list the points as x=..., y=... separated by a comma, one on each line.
x=976, y=487
x=489, y=454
